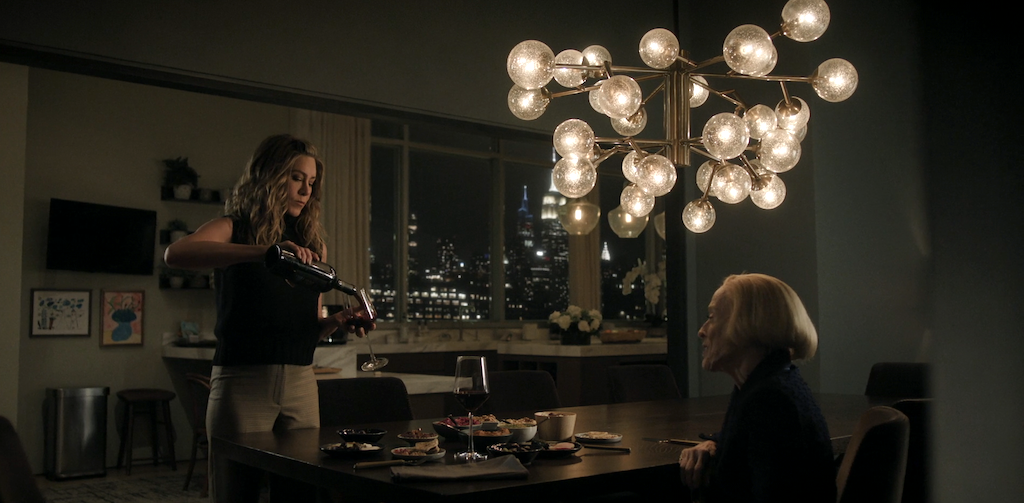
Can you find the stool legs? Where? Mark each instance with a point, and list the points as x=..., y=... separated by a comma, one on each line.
x=124, y=455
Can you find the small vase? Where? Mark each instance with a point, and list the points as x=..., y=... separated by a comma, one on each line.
x=575, y=338
x=183, y=192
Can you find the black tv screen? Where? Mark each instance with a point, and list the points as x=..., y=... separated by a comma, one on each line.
x=93, y=237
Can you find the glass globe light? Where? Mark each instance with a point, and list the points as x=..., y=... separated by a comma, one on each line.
x=799, y=133
x=657, y=175
x=579, y=217
x=659, y=224
x=592, y=97
x=574, y=137
x=699, y=215
x=659, y=48
x=636, y=201
x=625, y=225
x=530, y=64
x=704, y=173
x=619, y=96
x=835, y=80
x=698, y=94
x=631, y=166
x=793, y=115
x=748, y=49
x=760, y=119
x=725, y=136
x=569, y=77
x=574, y=176
x=772, y=191
x=528, y=104
x=632, y=125
x=597, y=55
x=805, y=20
x=779, y=151
x=732, y=184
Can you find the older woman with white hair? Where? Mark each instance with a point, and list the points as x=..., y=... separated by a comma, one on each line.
x=774, y=443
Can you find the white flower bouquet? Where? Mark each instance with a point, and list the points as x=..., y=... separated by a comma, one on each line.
x=576, y=324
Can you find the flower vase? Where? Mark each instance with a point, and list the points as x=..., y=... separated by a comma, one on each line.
x=575, y=338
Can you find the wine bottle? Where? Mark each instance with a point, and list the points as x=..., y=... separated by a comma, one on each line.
x=315, y=275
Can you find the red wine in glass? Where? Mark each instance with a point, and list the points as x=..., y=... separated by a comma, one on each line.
x=471, y=400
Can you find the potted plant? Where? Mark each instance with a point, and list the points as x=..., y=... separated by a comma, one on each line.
x=177, y=228
x=575, y=325
x=180, y=177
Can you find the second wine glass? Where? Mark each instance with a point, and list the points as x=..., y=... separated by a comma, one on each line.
x=471, y=390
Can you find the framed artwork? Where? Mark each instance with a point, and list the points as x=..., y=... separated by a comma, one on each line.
x=121, y=318
x=60, y=312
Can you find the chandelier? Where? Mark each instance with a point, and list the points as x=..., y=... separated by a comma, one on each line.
x=746, y=149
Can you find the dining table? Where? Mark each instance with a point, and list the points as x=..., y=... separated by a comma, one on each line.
x=644, y=463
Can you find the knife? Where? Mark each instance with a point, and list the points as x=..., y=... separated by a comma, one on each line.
x=678, y=441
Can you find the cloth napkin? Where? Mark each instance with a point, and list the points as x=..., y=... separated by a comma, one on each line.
x=501, y=467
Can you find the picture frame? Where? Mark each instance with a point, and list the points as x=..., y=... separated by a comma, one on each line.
x=121, y=316
x=60, y=312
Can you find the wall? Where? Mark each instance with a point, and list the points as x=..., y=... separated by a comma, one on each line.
x=14, y=102
x=98, y=140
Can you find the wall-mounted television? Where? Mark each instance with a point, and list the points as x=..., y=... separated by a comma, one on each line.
x=92, y=237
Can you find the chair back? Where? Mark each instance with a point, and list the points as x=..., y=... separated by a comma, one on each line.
x=360, y=400
x=875, y=462
x=639, y=383
x=899, y=380
x=915, y=484
x=17, y=484
x=199, y=397
x=520, y=392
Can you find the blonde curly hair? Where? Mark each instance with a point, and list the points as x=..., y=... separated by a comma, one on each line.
x=259, y=199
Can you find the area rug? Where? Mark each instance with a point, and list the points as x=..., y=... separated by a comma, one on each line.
x=142, y=488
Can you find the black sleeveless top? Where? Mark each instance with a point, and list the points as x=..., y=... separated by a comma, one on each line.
x=261, y=319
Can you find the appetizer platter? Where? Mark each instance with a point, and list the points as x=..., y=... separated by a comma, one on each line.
x=350, y=449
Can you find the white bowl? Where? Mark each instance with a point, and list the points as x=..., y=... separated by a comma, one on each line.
x=521, y=434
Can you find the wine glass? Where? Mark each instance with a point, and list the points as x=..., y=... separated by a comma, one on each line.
x=363, y=318
x=471, y=390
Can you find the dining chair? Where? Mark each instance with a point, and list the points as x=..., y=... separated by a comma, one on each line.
x=349, y=401
x=17, y=484
x=915, y=484
x=873, y=469
x=199, y=396
x=641, y=382
x=520, y=392
x=898, y=379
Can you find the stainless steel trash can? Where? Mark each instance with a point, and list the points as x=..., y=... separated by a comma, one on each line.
x=76, y=432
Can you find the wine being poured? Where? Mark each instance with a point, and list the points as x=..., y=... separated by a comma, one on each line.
x=322, y=277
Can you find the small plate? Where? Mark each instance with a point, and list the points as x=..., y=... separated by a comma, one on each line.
x=414, y=437
x=559, y=453
x=403, y=453
x=599, y=437
x=364, y=435
x=525, y=452
x=350, y=449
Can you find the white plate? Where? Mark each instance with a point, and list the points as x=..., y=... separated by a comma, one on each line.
x=400, y=453
x=598, y=437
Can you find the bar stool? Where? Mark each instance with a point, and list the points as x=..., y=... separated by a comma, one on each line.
x=151, y=402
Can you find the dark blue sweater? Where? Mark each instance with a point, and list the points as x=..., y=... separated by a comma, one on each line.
x=774, y=445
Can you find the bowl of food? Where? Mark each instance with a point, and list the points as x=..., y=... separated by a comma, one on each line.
x=447, y=428
x=523, y=429
x=483, y=438
x=417, y=436
x=526, y=452
x=364, y=435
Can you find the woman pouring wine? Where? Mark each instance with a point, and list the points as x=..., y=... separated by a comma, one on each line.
x=267, y=327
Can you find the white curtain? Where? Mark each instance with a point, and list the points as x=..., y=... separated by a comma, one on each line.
x=344, y=145
x=585, y=264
